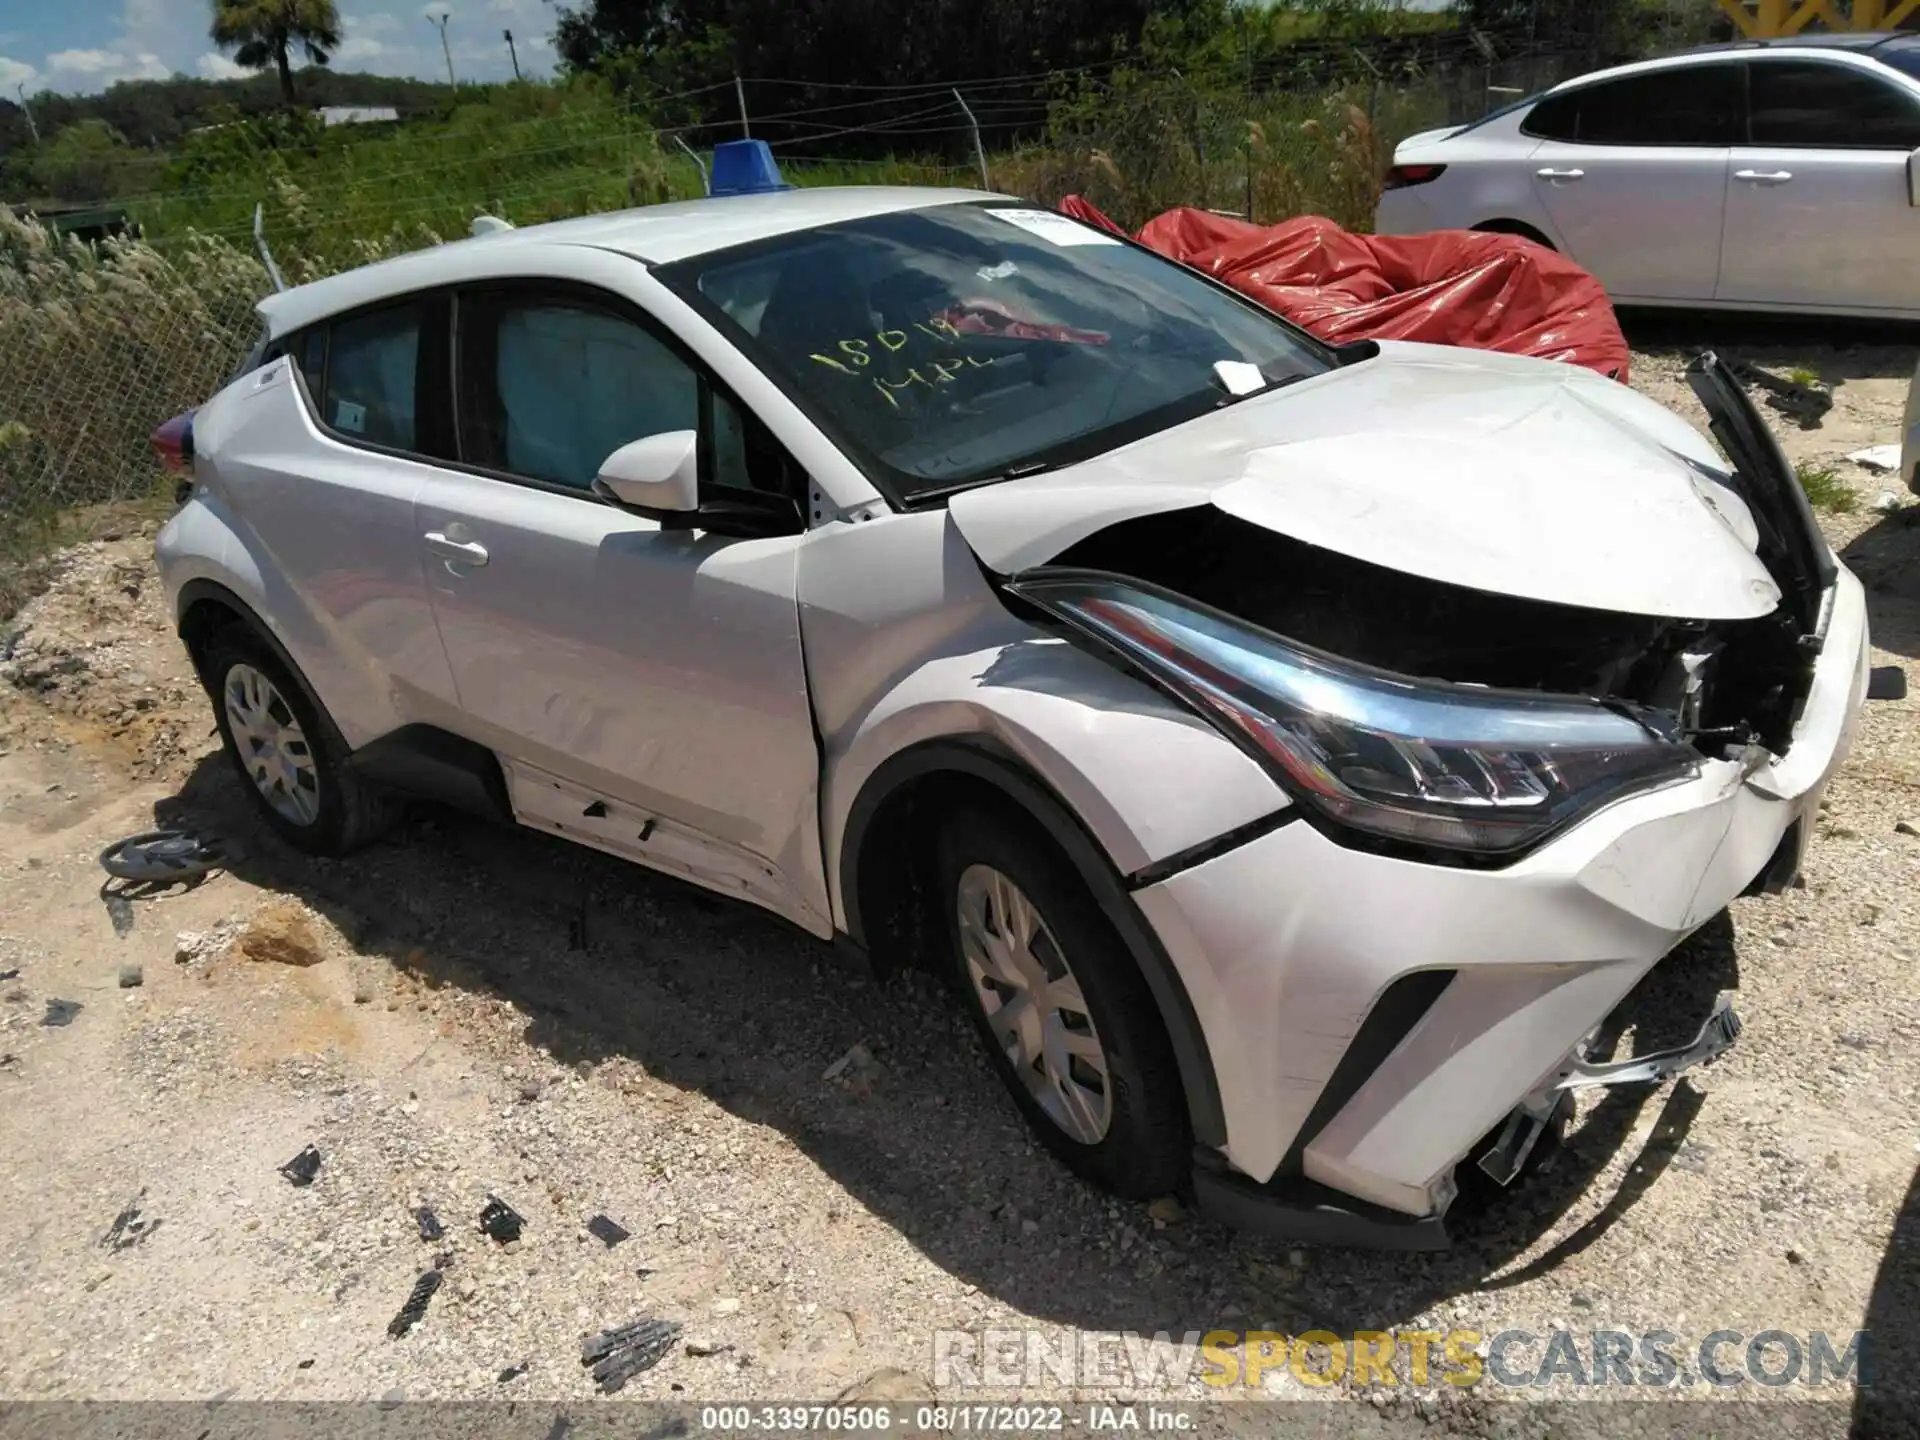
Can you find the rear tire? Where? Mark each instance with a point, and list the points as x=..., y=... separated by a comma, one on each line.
x=1067, y=1020
x=290, y=757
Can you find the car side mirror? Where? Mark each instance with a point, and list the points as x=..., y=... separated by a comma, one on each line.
x=657, y=476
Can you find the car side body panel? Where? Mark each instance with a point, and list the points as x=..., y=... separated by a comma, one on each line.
x=906, y=643
x=318, y=540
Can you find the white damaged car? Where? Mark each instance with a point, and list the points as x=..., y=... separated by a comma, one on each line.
x=1293, y=754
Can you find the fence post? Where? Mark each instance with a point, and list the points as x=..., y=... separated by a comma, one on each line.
x=694, y=155
x=740, y=93
x=979, y=151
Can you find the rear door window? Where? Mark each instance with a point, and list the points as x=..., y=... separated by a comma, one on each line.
x=1816, y=105
x=1693, y=105
x=372, y=377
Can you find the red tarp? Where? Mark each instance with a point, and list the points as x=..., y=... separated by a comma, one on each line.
x=1451, y=287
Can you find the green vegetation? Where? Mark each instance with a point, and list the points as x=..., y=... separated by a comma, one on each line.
x=1825, y=489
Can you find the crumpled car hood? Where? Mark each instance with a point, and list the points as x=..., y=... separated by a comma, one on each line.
x=1493, y=472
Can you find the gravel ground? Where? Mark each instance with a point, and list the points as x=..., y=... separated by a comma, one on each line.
x=466, y=1012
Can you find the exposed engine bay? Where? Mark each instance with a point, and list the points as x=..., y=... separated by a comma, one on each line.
x=1719, y=685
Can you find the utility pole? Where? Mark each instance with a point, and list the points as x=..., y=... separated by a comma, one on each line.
x=441, y=20
x=740, y=91
x=512, y=53
x=32, y=128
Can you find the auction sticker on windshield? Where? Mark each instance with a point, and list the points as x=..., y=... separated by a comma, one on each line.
x=1055, y=229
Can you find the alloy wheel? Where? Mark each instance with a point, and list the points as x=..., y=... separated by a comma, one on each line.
x=1033, y=1003
x=272, y=746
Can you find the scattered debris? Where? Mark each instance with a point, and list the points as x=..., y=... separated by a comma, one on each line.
x=707, y=1345
x=119, y=911
x=61, y=1012
x=728, y=1306
x=1905, y=827
x=281, y=934
x=131, y=976
x=129, y=1227
x=164, y=857
x=499, y=1220
x=1166, y=1211
x=303, y=1167
x=13, y=974
x=1886, y=502
x=443, y=1260
x=1884, y=682
x=304, y=1365
x=857, y=1059
x=1795, y=1257
x=1806, y=405
x=1882, y=459
x=429, y=1223
x=618, y=1355
x=607, y=1231
x=415, y=1310
x=529, y=1090
x=513, y=1372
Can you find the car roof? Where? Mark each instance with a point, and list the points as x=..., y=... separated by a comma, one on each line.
x=652, y=234
x=1871, y=44
x=1861, y=41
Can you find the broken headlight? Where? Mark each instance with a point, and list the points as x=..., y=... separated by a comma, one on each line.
x=1420, y=761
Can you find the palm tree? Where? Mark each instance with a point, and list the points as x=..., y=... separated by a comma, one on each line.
x=263, y=32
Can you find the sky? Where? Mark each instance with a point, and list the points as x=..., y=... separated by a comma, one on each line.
x=81, y=46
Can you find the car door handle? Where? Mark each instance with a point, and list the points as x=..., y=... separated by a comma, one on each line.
x=1764, y=177
x=1552, y=174
x=462, y=552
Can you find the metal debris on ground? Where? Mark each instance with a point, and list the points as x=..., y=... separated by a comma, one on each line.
x=415, y=1310
x=618, y=1355
x=61, y=1012
x=162, y=857
x=608, y=1232
x=513, y=1372
x=1806, y=405
x=429, y=1223
x=13, y=974
x=854, y=1061
x=129, y=1227
x=131, y=976
x=499, y=1220
x=1882, y=458
x=119, y=911
x=303, y=1167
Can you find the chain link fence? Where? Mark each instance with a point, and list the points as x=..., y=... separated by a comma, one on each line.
x=98, y=345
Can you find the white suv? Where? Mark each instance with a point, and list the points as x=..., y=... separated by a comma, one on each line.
x=1292, y=753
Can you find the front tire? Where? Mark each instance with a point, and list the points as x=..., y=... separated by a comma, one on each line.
x=289, y=755
x=1068, y=1022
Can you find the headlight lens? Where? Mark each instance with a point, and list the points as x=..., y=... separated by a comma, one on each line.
x=1483, y=771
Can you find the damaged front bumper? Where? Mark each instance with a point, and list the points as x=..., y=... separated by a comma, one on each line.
x=1531, y=1119
x=1372, y=1019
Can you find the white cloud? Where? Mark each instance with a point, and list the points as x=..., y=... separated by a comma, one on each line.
x=215, y=66
x=16, y=75
x=357, y=48
x=101, y=68
x=436, y=11
x=379, y=23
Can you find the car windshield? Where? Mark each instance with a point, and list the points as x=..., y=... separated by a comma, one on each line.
x=951, y=346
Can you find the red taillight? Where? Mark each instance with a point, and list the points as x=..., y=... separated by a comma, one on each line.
x=173, y=443
x=1401, y=176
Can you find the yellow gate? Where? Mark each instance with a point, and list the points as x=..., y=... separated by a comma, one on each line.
x=1766, y=19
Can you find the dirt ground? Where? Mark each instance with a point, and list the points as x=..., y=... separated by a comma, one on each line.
x=493, y=1013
